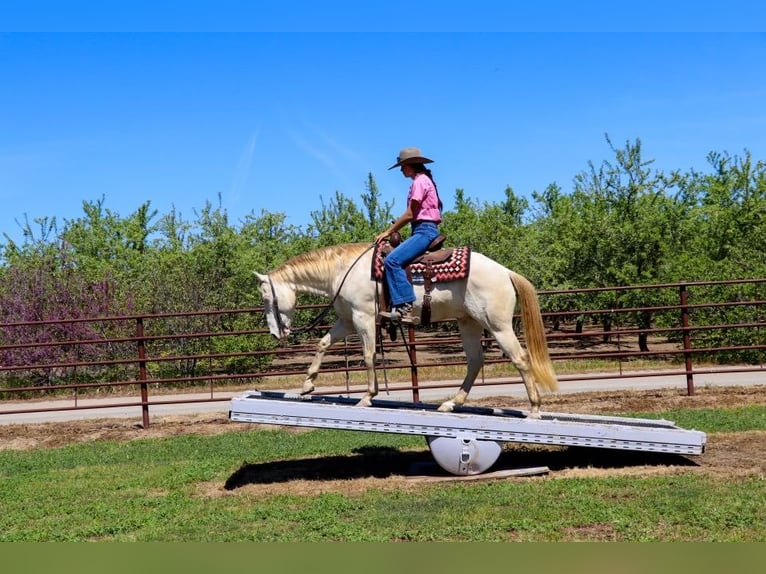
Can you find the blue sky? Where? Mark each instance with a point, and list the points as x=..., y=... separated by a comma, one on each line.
x=274, y=120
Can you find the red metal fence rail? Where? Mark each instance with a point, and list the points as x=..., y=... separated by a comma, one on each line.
x=138, y=359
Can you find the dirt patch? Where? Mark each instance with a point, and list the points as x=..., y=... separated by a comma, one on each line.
x=51, y=435
x=649, y=401
x=728, y=454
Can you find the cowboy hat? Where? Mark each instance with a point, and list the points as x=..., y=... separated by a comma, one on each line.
x=410, y=155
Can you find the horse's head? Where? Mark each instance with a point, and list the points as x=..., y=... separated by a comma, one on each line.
x=279, y=305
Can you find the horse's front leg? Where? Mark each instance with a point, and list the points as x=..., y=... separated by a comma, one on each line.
x=336, y=333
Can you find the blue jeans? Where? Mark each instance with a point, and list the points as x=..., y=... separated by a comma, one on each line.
x=400, y=289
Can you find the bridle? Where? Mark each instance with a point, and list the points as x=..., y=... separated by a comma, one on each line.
x=283, y=331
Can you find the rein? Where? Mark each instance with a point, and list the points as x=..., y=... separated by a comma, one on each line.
x=323, y=313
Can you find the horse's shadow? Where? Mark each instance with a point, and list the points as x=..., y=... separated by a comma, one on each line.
x=576, y=457
x=366, y=462
x=384, y=462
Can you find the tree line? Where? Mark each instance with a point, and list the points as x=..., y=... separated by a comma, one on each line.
x=623, y=222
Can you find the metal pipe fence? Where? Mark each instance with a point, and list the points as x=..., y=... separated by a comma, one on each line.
x=593, y=334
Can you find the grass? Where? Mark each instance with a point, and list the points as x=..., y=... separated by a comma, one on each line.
x=171, y=489
x=736, y=419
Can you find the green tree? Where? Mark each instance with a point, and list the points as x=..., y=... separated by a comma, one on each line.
x=102, y=241
x=34, y=244
x=729, y=217
x=620, y=226
x=462, y=224
x=378, y=214
x=343, y=221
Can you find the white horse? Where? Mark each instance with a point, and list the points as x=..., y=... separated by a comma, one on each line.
x=485, y=300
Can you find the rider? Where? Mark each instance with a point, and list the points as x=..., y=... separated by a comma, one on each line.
x=423, y=212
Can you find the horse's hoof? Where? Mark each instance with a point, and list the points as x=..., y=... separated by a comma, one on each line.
x=534, y=414
x=307, y=388
x=365, y=402
x=446, y=407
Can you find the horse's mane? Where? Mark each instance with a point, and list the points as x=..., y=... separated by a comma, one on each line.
x=322, y=262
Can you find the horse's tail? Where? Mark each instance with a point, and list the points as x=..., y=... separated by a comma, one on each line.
x=534, y=333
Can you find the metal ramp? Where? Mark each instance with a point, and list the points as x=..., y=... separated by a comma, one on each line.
x=469, y=440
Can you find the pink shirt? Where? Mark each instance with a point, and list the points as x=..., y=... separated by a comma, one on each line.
x=423, y=191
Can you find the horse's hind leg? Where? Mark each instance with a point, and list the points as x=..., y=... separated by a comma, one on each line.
x=367, y=336
x=338, y=331
x=510, y=345
x=471, y=333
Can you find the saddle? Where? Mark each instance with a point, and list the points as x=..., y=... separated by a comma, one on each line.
x=437, y=265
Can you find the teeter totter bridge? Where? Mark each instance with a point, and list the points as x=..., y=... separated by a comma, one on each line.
x=469, y=440
x=464, y=440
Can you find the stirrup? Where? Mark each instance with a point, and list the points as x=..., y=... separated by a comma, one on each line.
x=395, y=316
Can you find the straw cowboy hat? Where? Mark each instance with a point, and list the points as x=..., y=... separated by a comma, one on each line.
x=410, y=155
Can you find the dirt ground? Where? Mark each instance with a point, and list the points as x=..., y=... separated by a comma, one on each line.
x=727, y=454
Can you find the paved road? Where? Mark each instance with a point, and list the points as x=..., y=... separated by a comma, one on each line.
x=431, y=395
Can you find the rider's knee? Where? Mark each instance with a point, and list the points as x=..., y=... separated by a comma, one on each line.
x=390, y=263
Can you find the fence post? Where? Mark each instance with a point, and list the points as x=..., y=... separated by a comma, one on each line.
x=687, y=339
x=411, y=349
x=142, y=371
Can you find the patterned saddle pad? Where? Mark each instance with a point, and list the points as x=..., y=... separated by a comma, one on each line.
x=445, y=265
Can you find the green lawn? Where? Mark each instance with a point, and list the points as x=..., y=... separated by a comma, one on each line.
x=194, y=488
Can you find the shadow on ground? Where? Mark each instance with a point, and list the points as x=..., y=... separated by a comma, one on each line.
x=383, y=462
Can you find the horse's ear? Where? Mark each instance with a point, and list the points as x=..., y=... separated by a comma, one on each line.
x=261, y=278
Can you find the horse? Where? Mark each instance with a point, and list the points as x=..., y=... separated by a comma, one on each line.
x=484, y=300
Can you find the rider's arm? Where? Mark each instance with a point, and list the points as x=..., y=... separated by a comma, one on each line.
x=402, y=220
